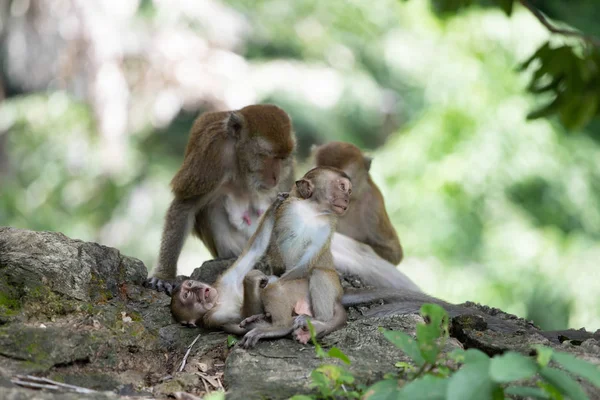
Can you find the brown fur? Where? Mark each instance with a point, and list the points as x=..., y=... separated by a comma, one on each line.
x=367, y=220
x=235, y=163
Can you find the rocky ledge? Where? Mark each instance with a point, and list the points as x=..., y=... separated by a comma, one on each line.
x=75, y=313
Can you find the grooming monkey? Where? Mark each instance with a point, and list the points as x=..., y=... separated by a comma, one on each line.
x=295, y=232
x=235, y=164
x=367, y=220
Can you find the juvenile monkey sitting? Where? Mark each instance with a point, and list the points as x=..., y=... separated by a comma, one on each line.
x=295, y=234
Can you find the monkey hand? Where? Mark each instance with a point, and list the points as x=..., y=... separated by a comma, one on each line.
x=159, y=285
x=281, y=196
x=251, y=338
x=254, y=319
x=301, y=332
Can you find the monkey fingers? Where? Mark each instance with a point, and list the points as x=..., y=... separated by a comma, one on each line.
x=281, y=196
x=159, y=285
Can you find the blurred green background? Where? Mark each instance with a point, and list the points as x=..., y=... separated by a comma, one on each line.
x=98, y=97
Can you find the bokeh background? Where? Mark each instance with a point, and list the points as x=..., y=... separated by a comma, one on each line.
x=98, y=96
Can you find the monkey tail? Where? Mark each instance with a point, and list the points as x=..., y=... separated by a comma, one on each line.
x=350, y=256
x=397, y=296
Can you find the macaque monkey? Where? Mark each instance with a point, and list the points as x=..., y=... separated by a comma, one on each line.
x=367, y=220
x=295, y=233
x=287, y=305
x=235, y=164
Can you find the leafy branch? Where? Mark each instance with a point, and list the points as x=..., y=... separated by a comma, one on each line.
x=561, y=31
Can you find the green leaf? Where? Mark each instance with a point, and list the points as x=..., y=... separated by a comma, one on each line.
x=506, y=6
x=334, y=352
x=301, y=397
x=541, y=53
x=457, y=355
x=383, y=390
x=218, y=395
x=427, y=334
x=524, y=391
x=405, y=343
x=544, y=354
x=578, y=367
x=512, y=366
x=475, y=356
x=426, y=388
x=318, y=378
x=564, y=383
x=549, y=389
x=547, y=110
x=231, y=341
x=471, y=382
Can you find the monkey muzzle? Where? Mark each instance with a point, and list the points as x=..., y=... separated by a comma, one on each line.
x=340, y=205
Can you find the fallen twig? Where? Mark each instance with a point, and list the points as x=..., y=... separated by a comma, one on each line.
x=187, y=353
x=36, y=382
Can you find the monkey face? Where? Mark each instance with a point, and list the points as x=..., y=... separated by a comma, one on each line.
x=340, y=189
x=192, y=300
x=330, y=187
x=263, y=165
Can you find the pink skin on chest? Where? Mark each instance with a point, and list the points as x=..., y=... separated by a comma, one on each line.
x=246, y=216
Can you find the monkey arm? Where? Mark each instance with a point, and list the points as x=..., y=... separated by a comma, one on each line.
x=384, y=239
x=350, y=256
x=178, y=223
x=254, y=249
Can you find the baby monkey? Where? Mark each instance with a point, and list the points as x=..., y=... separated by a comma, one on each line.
x=286, y=308
x=295, y=235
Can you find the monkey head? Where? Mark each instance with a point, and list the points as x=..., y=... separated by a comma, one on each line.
x=191, y=301
x=329, y=187
x=264, y=144
x=348, y=158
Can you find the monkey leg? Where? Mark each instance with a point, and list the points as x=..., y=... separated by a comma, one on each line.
x=325, y=291
x=254, y=319
x=322, y=328
x=251, y=338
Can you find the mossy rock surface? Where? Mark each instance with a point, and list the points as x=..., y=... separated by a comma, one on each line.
x=77, y=313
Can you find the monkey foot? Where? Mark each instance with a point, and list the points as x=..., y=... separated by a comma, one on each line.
x=301, y=332
x=159, y=285
x=302, y=335
x=251, y=338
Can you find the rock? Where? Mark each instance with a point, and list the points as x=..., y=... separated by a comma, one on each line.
x=75, y=312
x=80, y=270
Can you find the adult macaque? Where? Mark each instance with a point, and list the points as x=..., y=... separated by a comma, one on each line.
x=235, y=164
x=367, y=220
x=295, y=233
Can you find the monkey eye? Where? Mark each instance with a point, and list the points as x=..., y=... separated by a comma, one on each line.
x=186, y=295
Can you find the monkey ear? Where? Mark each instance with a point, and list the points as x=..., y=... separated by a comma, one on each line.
x=235, y=123
x=368, y=161
x=305, y=188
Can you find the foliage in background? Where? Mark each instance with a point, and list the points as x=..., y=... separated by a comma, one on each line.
x=568, y=74
x=489, y=207
x=459, y=375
